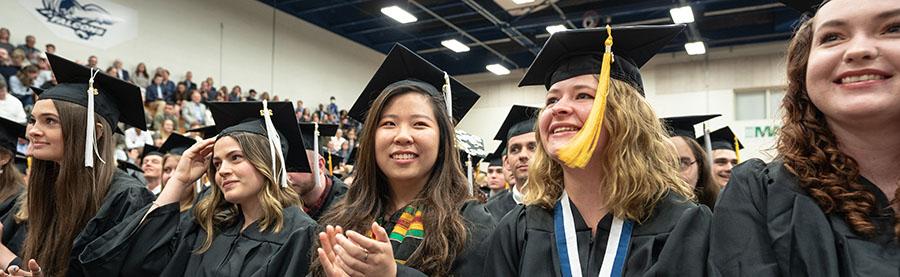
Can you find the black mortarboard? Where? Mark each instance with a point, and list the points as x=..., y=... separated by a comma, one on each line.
x=125, y=166
x=231, y=117
x=578, y=52
x=722, y=138
x=10, y=132
x=206, y=131
x=804, y=7
x=684, y=125
x=404, y=67
x=496, y=158
x=353, y=154
x=308, y=131
x=519, y=120
x=115, y=100
x=176, y=144
x=151, y=150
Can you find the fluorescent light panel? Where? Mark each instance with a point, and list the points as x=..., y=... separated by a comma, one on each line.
x=695, y=48
x=497, y=69
x=520, y=2
x=556, y=28
x=682, y=15
x=455, y=45
x=399, y=14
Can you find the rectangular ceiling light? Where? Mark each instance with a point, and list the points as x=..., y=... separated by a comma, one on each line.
x=455, y=45
x=497, y=69
x=682, y=15
x=399, y=14
x=695, y=48
x=556, y=28
x=520, y=2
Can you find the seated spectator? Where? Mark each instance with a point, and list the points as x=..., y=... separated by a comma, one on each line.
x=50, y=48
x=20, y=84
x=45, y=75
x=275, y=98
x=181, y=92
x=235, y=95
x=18, y=58
x=337, y=140
x=332, y=107
x=169, y=113
x=251, y=95
x=265, y=96
x=157, y=92
x=6, y=67
x=194, y=112
x=207, y=92
x=168, y=127
x=212, y=84
x=136, y=138
x=141, y=78
x=121, y=73
x=31, y=53
x=92, y=62
x=10, y=107
x=168, y=85
x=188, y=81
x=4, y=40
x=112, y=71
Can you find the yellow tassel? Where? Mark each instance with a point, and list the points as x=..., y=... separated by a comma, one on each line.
x=330, y=167
x=577, y=153
x=737, y=149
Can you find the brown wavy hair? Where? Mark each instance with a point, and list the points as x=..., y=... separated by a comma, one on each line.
x=810, y=150
x=441, y=199
x=638, y=161
x=213, y=212
x=63, y=197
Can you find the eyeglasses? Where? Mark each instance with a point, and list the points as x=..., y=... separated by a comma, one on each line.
x=686, y=163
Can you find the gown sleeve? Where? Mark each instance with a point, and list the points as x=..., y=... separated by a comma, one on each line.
x=133, y=248
x=293, y=259
x=505, y=245
x=684, y=252
x=739, y=241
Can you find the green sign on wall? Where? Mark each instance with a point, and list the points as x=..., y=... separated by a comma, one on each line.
x=765, y=131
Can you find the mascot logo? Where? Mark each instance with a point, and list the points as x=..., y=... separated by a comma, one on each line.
x=87, y=20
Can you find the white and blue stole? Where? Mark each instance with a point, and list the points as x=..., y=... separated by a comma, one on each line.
x=567, y=242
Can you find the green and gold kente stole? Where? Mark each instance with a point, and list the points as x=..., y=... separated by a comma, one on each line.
x=407, y=232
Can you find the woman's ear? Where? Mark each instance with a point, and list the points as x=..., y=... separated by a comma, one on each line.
x=5, y=158
x=99, y=130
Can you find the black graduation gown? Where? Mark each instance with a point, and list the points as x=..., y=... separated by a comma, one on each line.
x=125, y=197
x=672, y=242
x=470, y=262
x=501, y=204
x=335, y=193
x=8, y=206
x=163, y=245
x=766, y=225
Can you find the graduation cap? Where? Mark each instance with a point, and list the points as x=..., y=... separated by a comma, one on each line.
x=113, y=99
x=612, y=53
x=684, y=125
x=125, y=166
x=404, y=67
x=150, y=150
x=176, y=144
x=206, y=131
x=578, y=52
x=274, y=120
x=496, y=158
x=10, y=132
x=311, y=133
x=519, y=120
x=724, y=139
x=804, y=7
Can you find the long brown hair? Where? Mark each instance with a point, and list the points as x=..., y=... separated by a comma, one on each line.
x=707, y=190
x=11, y=181
x=638, y=161
x=63, y=197
x=214, y=212
x=441, y=198
x=810, y=149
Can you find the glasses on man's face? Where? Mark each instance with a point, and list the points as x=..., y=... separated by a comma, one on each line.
x=686, y=163
x=724, y=161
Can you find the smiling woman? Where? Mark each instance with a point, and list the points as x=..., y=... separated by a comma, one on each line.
x=407, y=179
x=249, y=222
x=828, y=205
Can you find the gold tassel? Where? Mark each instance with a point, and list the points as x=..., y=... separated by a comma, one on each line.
x=737, y=149
x=577, y=153
x=330, y=167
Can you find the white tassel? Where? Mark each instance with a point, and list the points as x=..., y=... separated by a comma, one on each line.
x=274, y=145
x=89, y=141
x=448, y=96
x=708, y=143
x=315, y=165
